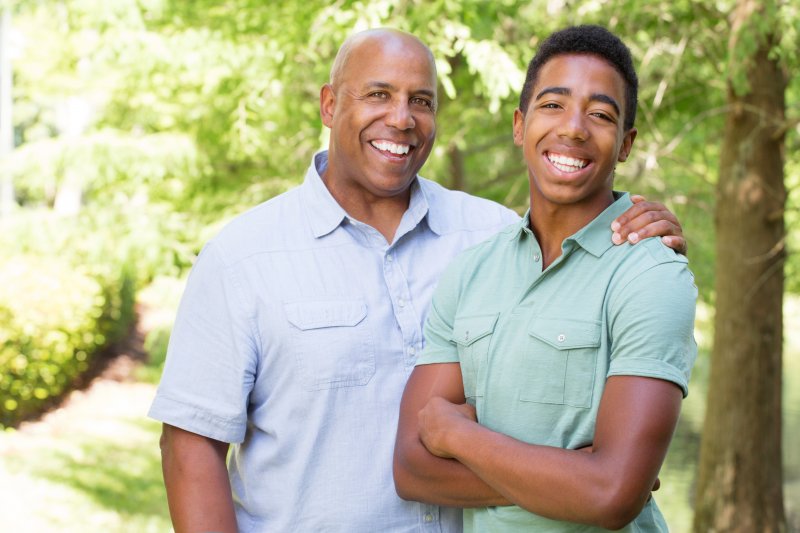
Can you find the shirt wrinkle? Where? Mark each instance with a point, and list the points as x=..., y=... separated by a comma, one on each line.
x=534, y=362
x=307, y=393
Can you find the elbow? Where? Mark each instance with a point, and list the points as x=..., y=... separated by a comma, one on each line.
x=403, y=480
x=618, y=509
x=616, y=521
x=407, y=483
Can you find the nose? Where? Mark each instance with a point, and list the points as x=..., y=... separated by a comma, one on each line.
x=574, y=126
x=400, y=116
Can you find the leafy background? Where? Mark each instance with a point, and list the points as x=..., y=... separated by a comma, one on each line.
x=142, y=126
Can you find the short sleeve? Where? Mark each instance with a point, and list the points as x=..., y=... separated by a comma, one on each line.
x=211, y=359
x=651, y=319
x=438, y=331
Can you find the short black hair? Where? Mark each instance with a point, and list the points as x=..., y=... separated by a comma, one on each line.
x=586, y=39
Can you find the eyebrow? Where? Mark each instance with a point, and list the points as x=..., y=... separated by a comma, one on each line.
x=384, y=85
x=596, y=97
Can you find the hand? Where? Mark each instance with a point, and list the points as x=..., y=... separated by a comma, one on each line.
x=439, y=418
x=648, y=219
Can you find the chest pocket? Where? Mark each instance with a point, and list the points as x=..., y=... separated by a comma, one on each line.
x=473, y=335
x=331, y=343
x=561, y=362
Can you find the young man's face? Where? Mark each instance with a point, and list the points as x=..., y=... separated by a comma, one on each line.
x=381, y=116
x=572, y=134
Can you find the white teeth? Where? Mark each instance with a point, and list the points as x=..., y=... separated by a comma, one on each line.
x=566, y=164
x=386, y=146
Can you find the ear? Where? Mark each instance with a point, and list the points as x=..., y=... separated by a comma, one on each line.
x=627, y=144
x=327, y=103
x=519, y=127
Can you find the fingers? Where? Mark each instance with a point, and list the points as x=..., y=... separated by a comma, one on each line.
x=648, y=219
x=636, y=198
x=678, y=244
x=642, y=213
x=672, y=235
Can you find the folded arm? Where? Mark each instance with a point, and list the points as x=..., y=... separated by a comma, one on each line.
x=196, y=478
x=607, y=487
x=420, y=475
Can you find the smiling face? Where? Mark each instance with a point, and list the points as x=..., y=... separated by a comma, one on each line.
x=380, y=109
x=572, y=133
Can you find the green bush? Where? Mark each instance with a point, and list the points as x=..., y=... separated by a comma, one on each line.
x=53, y=319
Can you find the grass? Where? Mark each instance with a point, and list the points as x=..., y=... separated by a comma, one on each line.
x=94, y=466
x=82, y=482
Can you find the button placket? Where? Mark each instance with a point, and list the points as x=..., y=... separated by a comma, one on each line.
x=404, y=312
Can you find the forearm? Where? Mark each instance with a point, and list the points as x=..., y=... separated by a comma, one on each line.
x=421, y=476
x=559, y=484
x=607, y=487
x=196, y=479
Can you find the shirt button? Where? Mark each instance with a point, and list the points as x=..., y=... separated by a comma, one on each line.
x=562, y=337
x=389, y=258
x=428, y=517
x=536, y=257
x=401, y=302
x=412, y=350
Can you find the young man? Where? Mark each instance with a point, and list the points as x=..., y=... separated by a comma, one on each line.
x=301, y=320
x=547, y=339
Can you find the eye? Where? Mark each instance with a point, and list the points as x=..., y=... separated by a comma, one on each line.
x=417, y=100
x=603, y=116
x=550, y=105
x=378, y=95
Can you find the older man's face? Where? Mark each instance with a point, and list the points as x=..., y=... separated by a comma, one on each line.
x=383, y=116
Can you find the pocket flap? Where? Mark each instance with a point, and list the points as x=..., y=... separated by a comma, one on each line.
x=564, y=334
x=468, y=329
x=325, y=314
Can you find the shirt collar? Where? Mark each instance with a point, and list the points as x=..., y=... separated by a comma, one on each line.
x=594, y=237
x=325, y=214
x=424, y=204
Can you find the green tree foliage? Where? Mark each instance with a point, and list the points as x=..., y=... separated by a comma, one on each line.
x=240, y=80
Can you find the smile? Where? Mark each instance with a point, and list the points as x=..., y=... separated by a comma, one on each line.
x=392, y=148
x=565, y=163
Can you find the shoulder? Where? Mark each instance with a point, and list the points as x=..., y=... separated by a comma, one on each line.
x=483, y=258
x=653, y=272
x=636, y=260
x=458, y=211
x=270, y=226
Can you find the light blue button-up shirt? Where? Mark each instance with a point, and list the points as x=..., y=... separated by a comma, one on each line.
x=294, y=339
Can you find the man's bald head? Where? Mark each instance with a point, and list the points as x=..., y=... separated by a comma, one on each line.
x=385, y=35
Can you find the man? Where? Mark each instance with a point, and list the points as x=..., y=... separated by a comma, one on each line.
x=302, y=319
x=546, y=339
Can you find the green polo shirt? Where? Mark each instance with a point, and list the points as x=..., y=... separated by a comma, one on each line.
x=536, y=347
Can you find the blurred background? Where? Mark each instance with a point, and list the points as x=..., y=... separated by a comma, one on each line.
x=131, y=130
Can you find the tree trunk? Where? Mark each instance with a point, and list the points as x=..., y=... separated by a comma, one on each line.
x=455, y=160
x=740, y=485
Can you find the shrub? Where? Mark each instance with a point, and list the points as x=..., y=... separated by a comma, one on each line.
x=53, y=319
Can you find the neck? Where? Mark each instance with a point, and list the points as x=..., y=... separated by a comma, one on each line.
x=553, y=223
x=383, y=213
